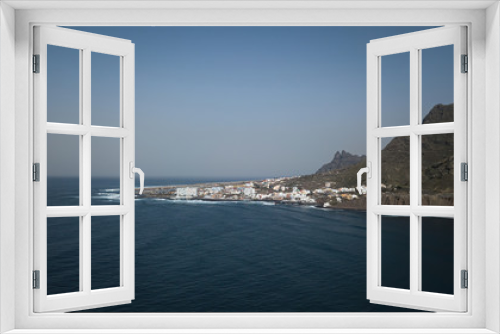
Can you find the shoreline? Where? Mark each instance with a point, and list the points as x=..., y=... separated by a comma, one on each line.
x=277, y=191
x=264, y=202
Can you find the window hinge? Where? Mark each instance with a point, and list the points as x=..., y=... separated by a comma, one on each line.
x=465, y=64
x=36, y=63
x=464, y=168
x=36, y=172
x=465, y=279
x=36, y=279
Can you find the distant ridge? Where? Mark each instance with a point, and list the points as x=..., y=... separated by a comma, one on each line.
x=341, y=160
x=437, y=162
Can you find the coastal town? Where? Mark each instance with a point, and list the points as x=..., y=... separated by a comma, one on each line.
x=270, y=190
x=332, y=185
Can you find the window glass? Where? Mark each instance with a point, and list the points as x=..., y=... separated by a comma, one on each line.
x=395, y=171
x=63, y=255
x=395, y=252
x=437, y=255
x=395, y=89
x=63, y=85
x=437, y=84
x=105, y=252
x=63, y=157
x=105, y=89
x=105, y=171
x=438, y=166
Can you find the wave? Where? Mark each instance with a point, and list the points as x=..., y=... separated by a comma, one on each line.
x=107, y=195
x=111, y=190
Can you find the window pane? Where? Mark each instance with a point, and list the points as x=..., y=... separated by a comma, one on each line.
x=437, y=170
x=395, y=171
x=63, y=170
x=437, y=255
x=105, y=252
x=105, y=89
x=437, y=84
x=63, y=85
x=63, y=255
x=395, y=89
x=396, y=252
x=105, y=171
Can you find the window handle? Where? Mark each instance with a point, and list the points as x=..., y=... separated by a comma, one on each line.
x=133, y=171
x=368, y=172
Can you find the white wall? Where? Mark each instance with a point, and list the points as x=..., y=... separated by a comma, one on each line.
x=492, y=147
x=7, y=160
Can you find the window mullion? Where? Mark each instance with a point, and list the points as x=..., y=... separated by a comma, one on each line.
x=415, y=251
x=85, y=175
x=85, y=253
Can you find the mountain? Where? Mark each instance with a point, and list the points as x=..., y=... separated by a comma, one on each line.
x=437, y=157
x=397, y=151
x=437, y=167
x=344, y=177
x=341, y=160
x=439, y=113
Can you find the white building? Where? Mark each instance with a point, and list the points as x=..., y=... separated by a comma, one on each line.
x=249, y=192
x=216, y=190
x=186, y=193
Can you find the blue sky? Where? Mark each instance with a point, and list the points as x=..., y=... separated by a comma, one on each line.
x=243, y=101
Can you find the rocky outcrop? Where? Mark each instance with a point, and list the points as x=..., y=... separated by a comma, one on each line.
x=341, y=160
x=439, y=113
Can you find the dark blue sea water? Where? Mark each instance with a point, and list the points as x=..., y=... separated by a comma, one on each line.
x=240, y=256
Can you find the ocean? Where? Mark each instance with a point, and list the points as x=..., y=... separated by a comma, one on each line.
x=240, y=256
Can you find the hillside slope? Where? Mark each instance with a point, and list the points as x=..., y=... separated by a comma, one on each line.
x=437, y=167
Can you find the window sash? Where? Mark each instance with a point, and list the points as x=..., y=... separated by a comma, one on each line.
x=413, y=43
x=86, y=43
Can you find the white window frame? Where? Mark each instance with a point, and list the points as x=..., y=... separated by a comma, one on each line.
x=85, y=44
x=414, y=44
x=483, y=21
